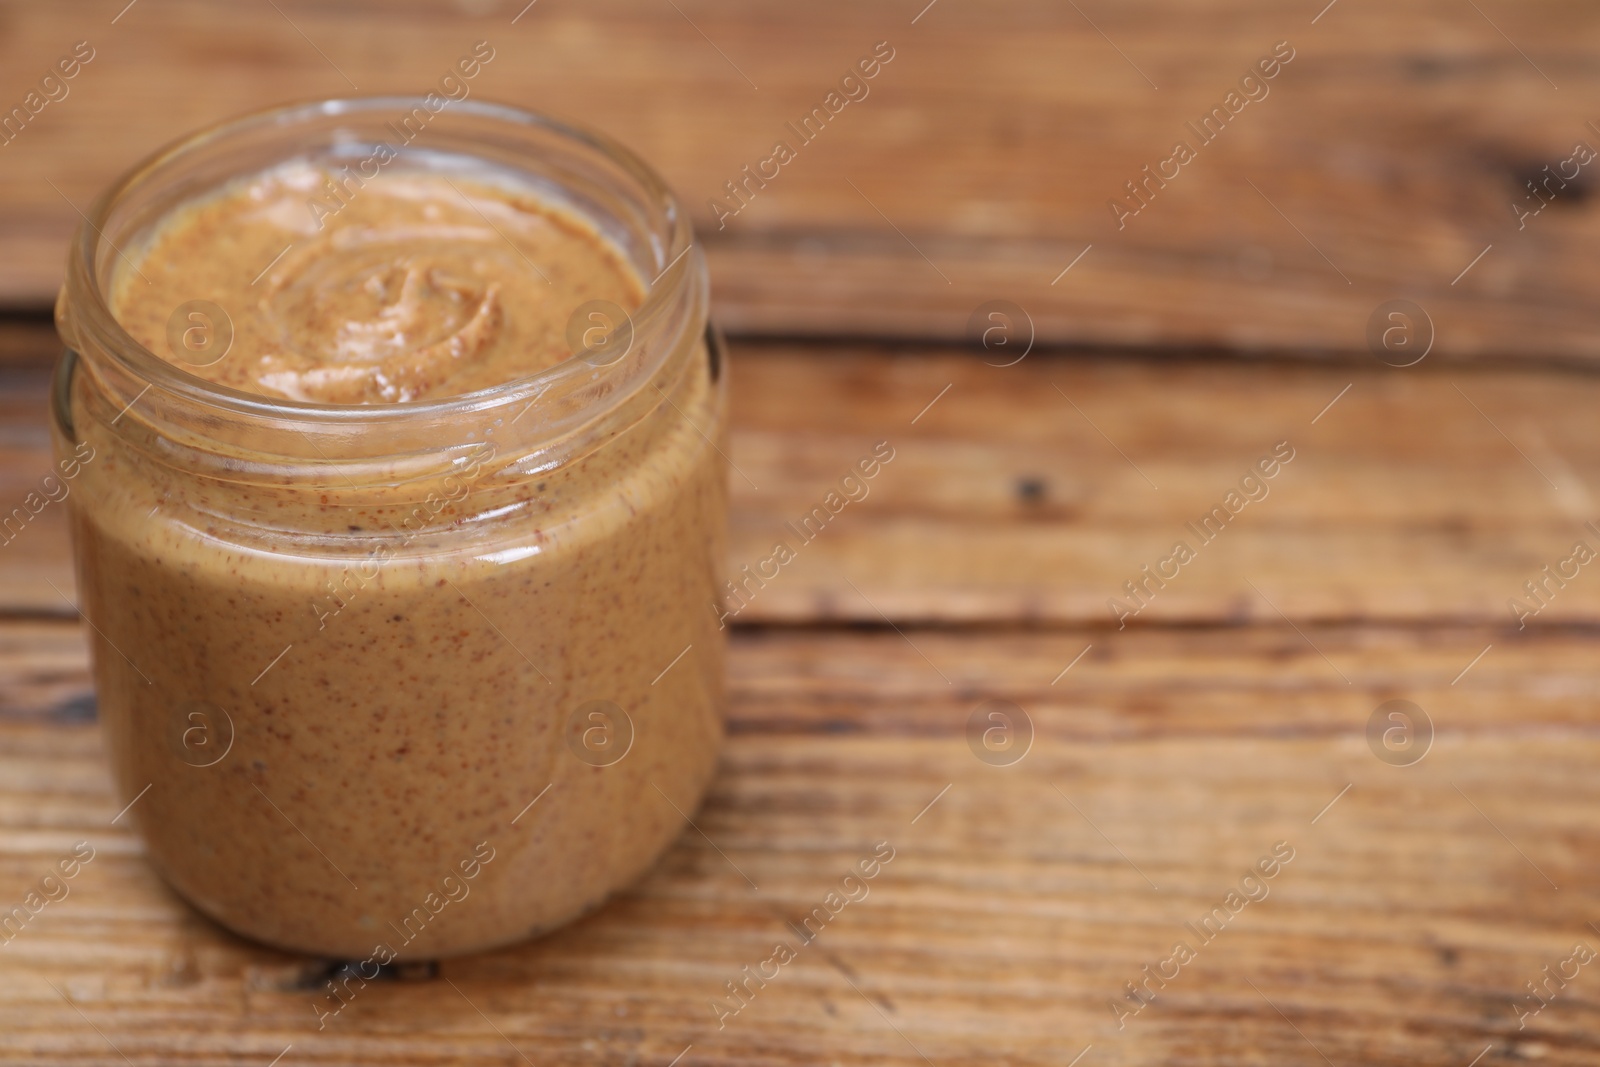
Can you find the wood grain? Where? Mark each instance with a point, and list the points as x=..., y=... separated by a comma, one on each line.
x=1030, y=492
x=1385, y=159
x=1234, y=712
x=1015, y=908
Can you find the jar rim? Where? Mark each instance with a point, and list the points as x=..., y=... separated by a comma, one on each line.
x=85, y=298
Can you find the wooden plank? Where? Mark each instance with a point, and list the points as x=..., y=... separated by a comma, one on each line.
x=1020, y=900
x=27, y=341
x=1029, y=492
x=1386, y=158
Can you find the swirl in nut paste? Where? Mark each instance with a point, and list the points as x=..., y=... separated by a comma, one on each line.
x=419, y=286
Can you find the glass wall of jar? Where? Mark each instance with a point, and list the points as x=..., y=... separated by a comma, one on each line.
x=402, y=679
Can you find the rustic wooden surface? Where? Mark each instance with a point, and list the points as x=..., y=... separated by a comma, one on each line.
x=1399, y=934
x=1167, y=757
x=1394, y=143
x=1192, y=741
x=1022, y=493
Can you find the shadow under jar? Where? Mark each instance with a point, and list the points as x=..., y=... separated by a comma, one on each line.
x=400, y=679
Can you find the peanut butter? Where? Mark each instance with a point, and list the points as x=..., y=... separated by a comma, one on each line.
x=330, y=704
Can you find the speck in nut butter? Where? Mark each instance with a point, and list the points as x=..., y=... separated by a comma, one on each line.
x=402, y=520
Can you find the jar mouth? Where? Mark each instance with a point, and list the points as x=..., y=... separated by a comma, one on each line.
x=674, y=265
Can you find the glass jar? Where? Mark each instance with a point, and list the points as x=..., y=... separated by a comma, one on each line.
x=415, y=679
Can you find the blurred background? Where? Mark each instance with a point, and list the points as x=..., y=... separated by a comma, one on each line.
x=1007, y=152
x=1085, y=264
x=1385, y=156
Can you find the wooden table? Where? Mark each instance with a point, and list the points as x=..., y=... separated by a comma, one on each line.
x=1228, y=717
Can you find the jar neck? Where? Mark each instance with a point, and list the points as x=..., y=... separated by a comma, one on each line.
x=524, y=427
